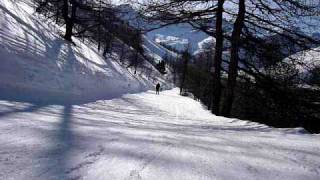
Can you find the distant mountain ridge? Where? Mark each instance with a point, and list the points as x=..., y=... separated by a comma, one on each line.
x=178, y=36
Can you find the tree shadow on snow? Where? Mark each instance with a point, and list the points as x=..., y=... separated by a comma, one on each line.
x=61, y=143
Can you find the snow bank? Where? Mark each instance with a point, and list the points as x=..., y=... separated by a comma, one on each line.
x=36, y=63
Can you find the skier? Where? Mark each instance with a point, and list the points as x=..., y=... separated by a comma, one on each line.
x=157, y=88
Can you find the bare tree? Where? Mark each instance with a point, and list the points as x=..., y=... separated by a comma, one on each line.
x=186, y=59
x=233, y=65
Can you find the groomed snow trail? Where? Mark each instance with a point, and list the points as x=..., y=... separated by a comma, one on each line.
x=147, y=136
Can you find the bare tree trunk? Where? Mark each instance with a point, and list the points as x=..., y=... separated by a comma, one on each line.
x=218, y=60
x=122, y=53
x=57, y=15
x=69, y=20
x=233, y=66
x=99, y=27
x=184, y=70
x=107, y=42
x=135, y=63
x=174, y=73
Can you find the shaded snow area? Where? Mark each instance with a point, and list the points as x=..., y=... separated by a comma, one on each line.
x=147, y=136
x=36, y=63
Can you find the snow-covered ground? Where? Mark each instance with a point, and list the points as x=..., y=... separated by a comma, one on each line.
x=147, y=136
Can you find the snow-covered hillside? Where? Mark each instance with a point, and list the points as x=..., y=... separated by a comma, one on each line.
x=307, y=60
x=147, y=136
x=37, y=63
x=176, y=36
x=156, y=51
x=151, y=47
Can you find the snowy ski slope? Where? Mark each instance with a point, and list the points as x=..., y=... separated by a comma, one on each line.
x=147, y=136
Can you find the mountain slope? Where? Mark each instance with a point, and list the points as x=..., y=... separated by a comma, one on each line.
x=147, y=136
x=308, y=59
x=176, y=35
x=36, y=63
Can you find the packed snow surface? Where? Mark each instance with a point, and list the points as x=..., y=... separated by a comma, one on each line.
x=147, y=136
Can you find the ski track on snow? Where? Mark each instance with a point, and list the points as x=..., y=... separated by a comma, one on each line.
x=147, y=136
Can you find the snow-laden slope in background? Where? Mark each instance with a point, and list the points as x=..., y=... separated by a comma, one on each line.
x=156, y=51
x=152, y=48
x=178, y=36
x=308, y=59
x=37, y=62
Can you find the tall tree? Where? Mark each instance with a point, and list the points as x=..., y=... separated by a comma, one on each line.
x=234, y=59
x=218, y=59
x=185, y=58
